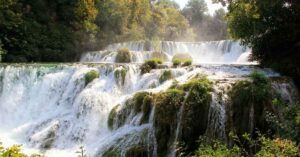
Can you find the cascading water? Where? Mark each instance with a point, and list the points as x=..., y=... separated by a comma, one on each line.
x=226, y=52
x=50, y=109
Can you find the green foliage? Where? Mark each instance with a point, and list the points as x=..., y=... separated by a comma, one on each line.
x=90, y=76
x=262, y=25
x=206, y=27
x=112, y=117
x=120, y=73
x=159, y=55
x=180, y=58
x=250, y=101
x=265, y=147
x=197, y=100
x=187, y=62
x=218, y=149
x=123, y=56
x=14, y=151
x=167, y=105
x=167, y=75
x=150, y=64
x=176, y=62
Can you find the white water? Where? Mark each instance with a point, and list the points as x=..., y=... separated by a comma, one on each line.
x=225, y=52
x=49, y=105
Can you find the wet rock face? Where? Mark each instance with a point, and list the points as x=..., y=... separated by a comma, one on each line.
x=195, y=112
x=165, y=118
x=250, y=101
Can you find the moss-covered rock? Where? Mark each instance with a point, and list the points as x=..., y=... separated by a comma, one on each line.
x=150, y=64
x=195, y=111
x=112, y=117
x=180, y=58
x=110, y=153
x=187, y=62
x=90, y=76
x=123, y=56
x=165, y=119
x=166, y=75
x=146, y=108
x=141, y=102
x=120, y=74
x=137, y=151
x=249, y=103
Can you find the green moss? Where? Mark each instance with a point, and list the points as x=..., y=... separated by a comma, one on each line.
x=165, y=119
x=112, y=117
x=167, y=75
x=198, y=100
x=249, y=103
x=120, y=73
x=110, y=153
x=138, y=100
x=187, y=62
x=90, y=76
x=137, y=151
x=146, y=108
x=150, y=64
x=180, y=58
x=176, y=62
x=123, y=56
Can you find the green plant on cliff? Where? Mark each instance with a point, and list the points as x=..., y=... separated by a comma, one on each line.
x=166, y=75
x=120, y=74
x=197, y=100
x=90, y=76
x=150, y=64
x=167, y=105
x=14, y=151
x=249, y=103
x=123, y=56
x=263, y=146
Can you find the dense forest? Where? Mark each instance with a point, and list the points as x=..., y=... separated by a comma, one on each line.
x=60, y=30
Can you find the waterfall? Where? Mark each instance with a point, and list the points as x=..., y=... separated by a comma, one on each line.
x=50, y=109
x=225, y=51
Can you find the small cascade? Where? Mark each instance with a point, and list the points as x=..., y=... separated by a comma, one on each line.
x=225, y=51
x=53, y=108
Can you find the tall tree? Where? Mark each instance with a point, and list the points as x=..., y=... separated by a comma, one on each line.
x=271, y=28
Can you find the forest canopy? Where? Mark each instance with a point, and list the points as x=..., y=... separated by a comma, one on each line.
x=60, y=30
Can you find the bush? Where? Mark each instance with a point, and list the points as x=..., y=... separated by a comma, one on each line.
x=180, y=58
x=167, y=75
x=123, y=56
x=250, y=101
x=176, y=62
x=187, y=62
x=150, y=64
x=90, y=76
x=263, y=147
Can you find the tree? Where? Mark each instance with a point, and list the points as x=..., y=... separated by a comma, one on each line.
x=195, y=11
x=271, y=29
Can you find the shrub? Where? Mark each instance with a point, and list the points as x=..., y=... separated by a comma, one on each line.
x=123, y=56
x=181, y=58
x=187, y=62
x=167, y=75
x=249, y=103
x=90, y=76
x=176, y=62
x=150, y=64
